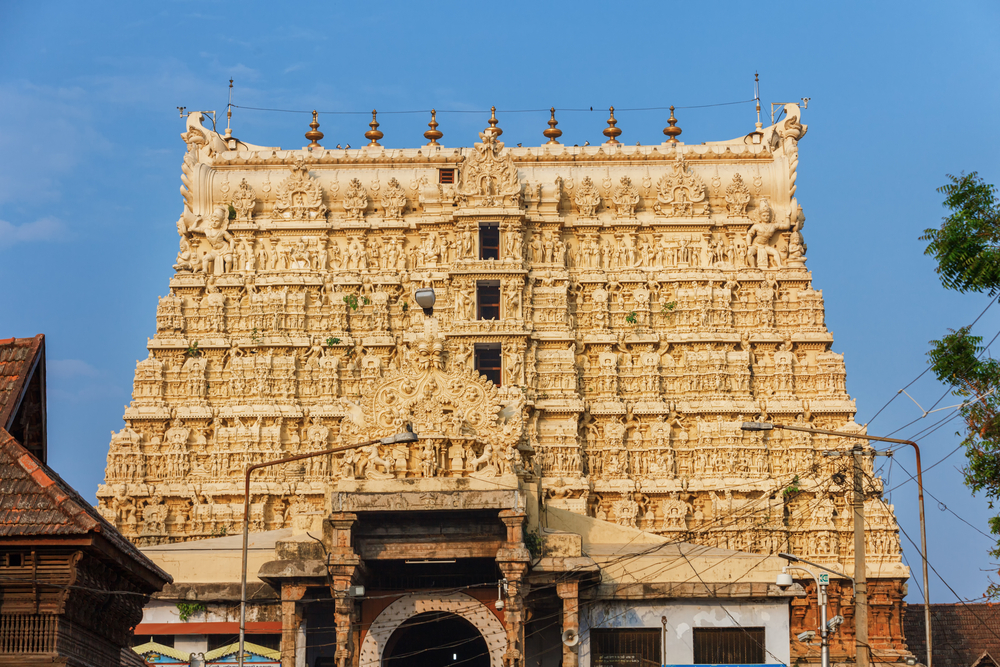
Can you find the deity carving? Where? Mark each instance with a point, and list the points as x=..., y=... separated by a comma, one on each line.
x=737, y=197
x=681, y=193
x=760, y=235
x=299, y=197
x=244, y=200
x=355, y=200
x=625, y=198
x=393, y=200
x=796, y=244
x=219, y=258
x=587, y=198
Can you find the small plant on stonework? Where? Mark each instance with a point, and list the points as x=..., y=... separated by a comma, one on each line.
x=534, y=543
x=185, y=610
x=255, y=336
x=366, y=300
x=352, y=301
x=221, y=531
x=405, y=306
x=232, y=212
x=193, y=350
x=791, y=489
x=331, y=341
x=668, y=307
x=632, y=318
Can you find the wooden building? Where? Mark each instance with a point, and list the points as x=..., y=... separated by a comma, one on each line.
x=71, y=587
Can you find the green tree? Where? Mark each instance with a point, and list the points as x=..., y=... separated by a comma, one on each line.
x=967, y=250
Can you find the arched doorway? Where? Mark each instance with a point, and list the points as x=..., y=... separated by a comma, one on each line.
x=436, y=639
x=414, y=604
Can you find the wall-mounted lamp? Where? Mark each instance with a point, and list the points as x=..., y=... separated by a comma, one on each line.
x=425, y=298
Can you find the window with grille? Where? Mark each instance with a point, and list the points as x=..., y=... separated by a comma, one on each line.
x=489, y=242
x=729, y=646
x=488, y=299
x=488, y=362
x=633, y=647
x=446, y=176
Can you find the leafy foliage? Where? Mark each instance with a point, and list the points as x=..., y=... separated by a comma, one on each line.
x=967, y=250
x=967, y=245
x=533, y=541
x=957, y=361
x=185, y=610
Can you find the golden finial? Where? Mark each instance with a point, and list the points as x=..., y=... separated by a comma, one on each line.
x=612, y=132
x=373, y=135
x=496, y=131
x=432, y=135
x=672, y=131
x=552, y=133
x=314, y=135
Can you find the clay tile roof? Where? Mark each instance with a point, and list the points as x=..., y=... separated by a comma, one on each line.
x=962, y=633
x=35, y=501
x=17, y=356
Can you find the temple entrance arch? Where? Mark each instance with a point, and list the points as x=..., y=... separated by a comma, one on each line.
x=436, y=639
x=466, y=607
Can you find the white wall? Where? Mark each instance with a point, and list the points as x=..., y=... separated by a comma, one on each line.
x=682, y=616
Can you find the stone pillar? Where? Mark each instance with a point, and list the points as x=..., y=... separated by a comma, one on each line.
x=344, y=564
x=569, y=592
x=513, y=558
x=291, y=619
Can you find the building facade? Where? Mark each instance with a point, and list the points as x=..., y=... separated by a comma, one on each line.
x=71, y=587
x=606, y=317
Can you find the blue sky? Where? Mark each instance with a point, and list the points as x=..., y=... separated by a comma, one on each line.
x=901, y=94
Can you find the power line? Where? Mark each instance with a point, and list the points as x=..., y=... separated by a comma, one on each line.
x=486, y=111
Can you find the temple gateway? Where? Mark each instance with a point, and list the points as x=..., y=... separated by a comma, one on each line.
x=580, y=492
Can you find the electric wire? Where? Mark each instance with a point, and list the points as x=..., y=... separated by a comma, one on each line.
x=924, y=372
x=486, y=111
x=947, y=585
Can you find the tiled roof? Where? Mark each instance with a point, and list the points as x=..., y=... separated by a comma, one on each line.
x=962, y=633
x=35, y=501
x=17, y=356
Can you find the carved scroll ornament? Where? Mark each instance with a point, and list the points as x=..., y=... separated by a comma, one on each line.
x=299, y=197
x=489, y=177
x=680, y=192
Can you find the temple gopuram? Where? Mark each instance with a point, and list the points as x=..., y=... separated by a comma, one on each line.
x=605, y=318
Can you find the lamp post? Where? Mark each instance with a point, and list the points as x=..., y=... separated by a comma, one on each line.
x=825, y=628
x=763, y=426
x=406, y=436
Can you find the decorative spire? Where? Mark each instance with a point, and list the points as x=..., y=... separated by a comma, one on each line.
x=672, y=131
x=552, y=133
x=373, y=135
x=493, y=129
x=432, y=135
x=314, y=135
x=612, y=132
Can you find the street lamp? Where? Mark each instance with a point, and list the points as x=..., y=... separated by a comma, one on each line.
x=764, y=426
x=825, y=627
x=406, y=436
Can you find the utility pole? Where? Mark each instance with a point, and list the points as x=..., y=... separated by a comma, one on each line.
x=860, y=579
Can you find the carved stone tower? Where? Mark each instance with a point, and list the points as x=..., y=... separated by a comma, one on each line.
x=606, y=318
